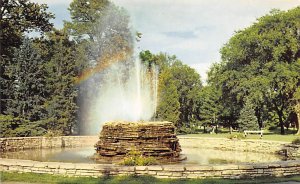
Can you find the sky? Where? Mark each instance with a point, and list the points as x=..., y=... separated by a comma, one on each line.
x=193, y=30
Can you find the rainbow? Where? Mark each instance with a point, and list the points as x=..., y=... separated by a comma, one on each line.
x=104, y=62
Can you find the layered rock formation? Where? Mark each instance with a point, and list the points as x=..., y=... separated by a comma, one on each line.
x=156, y=139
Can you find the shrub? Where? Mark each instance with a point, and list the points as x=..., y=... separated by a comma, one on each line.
x=296, y=141
x=236, y=136
x=135, y=158
x=18, y=127
x=53, y=133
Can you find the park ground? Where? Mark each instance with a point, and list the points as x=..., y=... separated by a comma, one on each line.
x=18, y=178
x=30, y=178
x=271, y=135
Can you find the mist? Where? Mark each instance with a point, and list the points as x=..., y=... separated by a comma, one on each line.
x=119, y=86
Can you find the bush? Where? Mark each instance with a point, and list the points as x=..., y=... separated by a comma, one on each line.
x=187, y=130
x=53, y=133
x=18, y=127
x=135, y=158
x=236, y=136
x=296, y=141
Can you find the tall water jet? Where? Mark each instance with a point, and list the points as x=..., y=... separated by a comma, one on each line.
x=138, y=108
x=118, y=86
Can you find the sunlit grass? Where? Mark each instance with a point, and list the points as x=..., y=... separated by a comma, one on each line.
x=267, y=135
x=47, y=178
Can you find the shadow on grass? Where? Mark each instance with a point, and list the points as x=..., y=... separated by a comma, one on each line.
x=47, y=178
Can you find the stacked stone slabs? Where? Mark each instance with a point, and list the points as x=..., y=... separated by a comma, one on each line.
x=155, y=139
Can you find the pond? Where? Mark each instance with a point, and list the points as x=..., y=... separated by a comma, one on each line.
x=194, y=156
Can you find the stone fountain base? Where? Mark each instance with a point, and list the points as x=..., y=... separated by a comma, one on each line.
x=155, y=139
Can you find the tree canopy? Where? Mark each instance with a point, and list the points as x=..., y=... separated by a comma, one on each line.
x=256, y=84
x=261, y=63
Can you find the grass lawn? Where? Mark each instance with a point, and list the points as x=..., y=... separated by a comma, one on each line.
x=46, y=178
x=268, y=135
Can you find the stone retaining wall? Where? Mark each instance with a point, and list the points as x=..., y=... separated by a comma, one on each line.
x=261, y=146
x=21, y=143
x=285, y=168
x=247, y=145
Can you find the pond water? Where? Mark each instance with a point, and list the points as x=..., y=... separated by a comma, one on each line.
x=194, y=156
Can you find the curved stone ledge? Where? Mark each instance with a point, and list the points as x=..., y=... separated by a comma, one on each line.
x=247, y=145
x=234, y=171
x=22, y=143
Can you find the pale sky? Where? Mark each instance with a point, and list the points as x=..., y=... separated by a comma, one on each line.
x=193, y=30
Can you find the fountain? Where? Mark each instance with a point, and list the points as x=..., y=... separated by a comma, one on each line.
x=122, y=90
x=151, y=139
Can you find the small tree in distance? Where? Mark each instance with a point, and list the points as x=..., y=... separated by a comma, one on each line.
x=247, y=119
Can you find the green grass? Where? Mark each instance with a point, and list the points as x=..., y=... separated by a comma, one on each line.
x=268, y=135
x=46, y=178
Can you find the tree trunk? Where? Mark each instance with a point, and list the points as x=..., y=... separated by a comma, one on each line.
x=297, y=110
x=281, y=124
x=280, y=117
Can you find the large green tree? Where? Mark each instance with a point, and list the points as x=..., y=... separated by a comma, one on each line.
x=85, y=14
x=61, y=71
x=102, y=34
x=188, y=84
x=17, y=17
x=179, y=84
x=27, y=89
x=262, y=63
x=168, y=102
x=210, y=107
x=247, y=119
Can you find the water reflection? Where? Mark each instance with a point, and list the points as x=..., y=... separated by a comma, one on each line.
x=194, y=156
x=212, y=156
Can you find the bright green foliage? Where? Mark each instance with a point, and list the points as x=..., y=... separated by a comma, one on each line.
x=84, y=15
x=188, y=84
x=247, y=119
x=162, y=60
x=179, y=87
x=210, y=107
x=238, y=136
x=133, y=179
x=135, y=158
x=261, y=63
x=168, y=102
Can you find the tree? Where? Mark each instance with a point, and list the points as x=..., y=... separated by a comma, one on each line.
x=61, y=71
x=168, y=104
x=162, y=60
x=27, y=89
x=210, y=107
x=16, y=18
x=188, y=84
x=297, y=108
x=102, y=33
x=85, y=14
x=261, y=63
x=247, y=119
